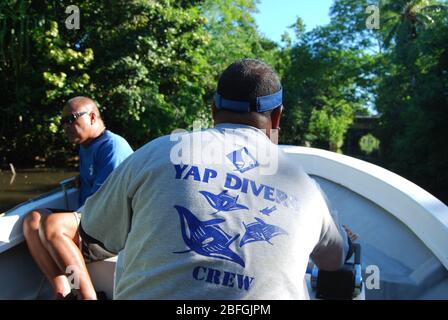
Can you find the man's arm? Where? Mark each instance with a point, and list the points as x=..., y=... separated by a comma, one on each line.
x=329, y=253
x=107, y=214
x=107, y=160
x=334, y=246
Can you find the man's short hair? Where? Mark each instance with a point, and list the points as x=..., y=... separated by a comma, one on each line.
x=248, y=79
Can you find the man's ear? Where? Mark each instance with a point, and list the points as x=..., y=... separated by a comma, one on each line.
x=93, y=117
x=275, y=117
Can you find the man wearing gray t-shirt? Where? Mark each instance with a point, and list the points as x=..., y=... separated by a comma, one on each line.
x=220, y=213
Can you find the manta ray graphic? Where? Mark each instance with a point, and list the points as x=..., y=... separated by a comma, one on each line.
x=206, y=237
x=223, y=201
x=260, y=231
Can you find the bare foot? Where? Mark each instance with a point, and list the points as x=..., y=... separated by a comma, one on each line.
x=351, y=235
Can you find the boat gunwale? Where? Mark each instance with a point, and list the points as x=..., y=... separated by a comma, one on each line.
x=428, y=219
x=39, y=197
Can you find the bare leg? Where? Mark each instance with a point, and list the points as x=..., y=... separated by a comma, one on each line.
x=59, y=234
x=40, y=254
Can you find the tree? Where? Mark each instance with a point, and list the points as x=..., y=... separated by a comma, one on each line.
x=403, y=18
x=348, y=21
x=414, y=112
x=234, y=35
x=322, y=88
x=152, y=66
x=142, y=61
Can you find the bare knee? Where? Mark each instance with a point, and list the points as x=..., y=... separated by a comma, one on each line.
x=31, y=223
x=50, y=228
x=55, y=226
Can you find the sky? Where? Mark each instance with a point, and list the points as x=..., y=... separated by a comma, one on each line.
x=275, y=16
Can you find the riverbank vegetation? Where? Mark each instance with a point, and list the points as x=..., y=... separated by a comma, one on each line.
x=152, y=67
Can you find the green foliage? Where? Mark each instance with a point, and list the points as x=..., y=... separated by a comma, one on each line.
x=348, y=25
x=412, y=94
x=233, y=35
x=331, y=123
x=153, y=65
x=67, y=75
x=323, y=83
x=369, y=144
x=148, y=71
x=403, y=20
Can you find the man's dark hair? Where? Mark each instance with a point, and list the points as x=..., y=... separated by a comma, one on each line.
x=247, y=79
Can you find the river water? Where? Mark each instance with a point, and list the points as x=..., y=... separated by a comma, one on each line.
x=28, y=184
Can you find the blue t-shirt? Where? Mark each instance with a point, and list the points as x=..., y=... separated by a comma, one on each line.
x=98, y=160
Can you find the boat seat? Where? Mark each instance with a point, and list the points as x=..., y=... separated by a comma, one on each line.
x=344, y=284
x=102, y=275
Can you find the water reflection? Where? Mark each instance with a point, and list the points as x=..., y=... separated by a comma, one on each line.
x=27, y=184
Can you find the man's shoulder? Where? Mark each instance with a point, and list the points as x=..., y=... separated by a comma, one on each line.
x=115, y=142
x=111, y=147
x=112, y=136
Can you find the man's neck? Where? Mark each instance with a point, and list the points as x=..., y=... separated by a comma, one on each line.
x=97, y=133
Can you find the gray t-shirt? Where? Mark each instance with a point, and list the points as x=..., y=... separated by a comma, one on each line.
x=220, y=213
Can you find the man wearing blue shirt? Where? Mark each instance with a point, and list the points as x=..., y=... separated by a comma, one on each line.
x=51, y=234
x=98, y=159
